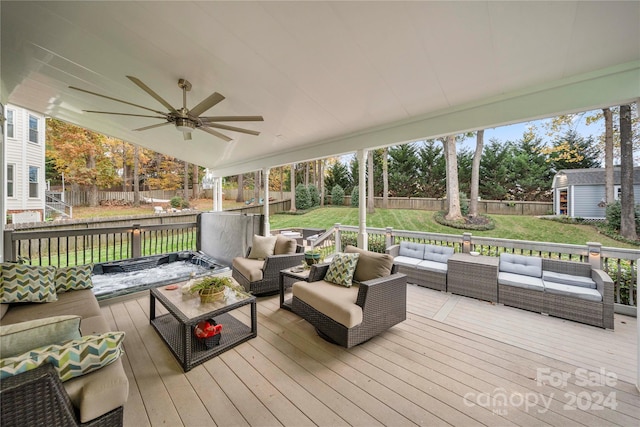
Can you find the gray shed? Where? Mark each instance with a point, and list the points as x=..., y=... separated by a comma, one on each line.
x=579, y=193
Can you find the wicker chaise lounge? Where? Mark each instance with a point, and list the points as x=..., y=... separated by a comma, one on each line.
x=350, y=316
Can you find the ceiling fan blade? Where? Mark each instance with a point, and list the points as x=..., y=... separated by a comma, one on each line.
x=147, y=89
x=186, y=136
x=206, y=103
x=154, y=126
x=214, y=133
x=124, y=114
x=232, y=119
x=115, y=99
x=233, y=128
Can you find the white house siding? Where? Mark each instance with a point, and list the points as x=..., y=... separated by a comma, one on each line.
x=21, y=153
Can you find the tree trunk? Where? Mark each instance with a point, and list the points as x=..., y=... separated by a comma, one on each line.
x=93, y=188
x=475, y=175
x=256, y=187
x=195, y=178
x=136, y=176
x=292, y=177
x=185, y=182
x=240, y=195
x=627, y=214
x=453, y=192
x=281, y=182
x=608, y=157
x=306, y=174
x=385, y=178
x=370, y=196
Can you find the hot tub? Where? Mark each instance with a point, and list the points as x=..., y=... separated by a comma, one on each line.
x=123, y=277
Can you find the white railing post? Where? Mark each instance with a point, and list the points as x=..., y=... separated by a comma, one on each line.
x=594, y=249
x=389, y=240
x=336, y=227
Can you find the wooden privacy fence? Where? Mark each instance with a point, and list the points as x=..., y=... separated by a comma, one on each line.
x=620, y=264
x=81, y=198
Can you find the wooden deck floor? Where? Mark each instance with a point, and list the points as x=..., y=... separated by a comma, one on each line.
x=454, y=361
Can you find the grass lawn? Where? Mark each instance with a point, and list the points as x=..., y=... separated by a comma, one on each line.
x=507, y=226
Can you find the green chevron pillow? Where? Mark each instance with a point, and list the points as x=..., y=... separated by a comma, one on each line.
x=27, y=283
x=74, y=278
x=341, y=269
x=71, y=359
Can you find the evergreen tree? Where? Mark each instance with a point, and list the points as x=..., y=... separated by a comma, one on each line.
x=337, y=195
x=495, y=165
x=338, y=174
x=532, y=174
x=303, y=197
x=432, y=170
x=403, y=164
x=572, y=151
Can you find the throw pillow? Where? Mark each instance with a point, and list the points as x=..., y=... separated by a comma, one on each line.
x=27, y=283
x=74, y=278
x=20, y=337
x=284, y=245
x=371, y=265
x=341, y=269
x=71, y=359
x=262, y=246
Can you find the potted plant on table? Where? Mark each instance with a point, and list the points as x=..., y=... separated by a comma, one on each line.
x=210, y=289
x=312, y=256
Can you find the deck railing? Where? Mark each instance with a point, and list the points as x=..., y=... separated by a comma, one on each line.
x=620, y=264
x=68, y=247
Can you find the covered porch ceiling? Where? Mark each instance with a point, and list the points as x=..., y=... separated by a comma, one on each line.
x=328, y=77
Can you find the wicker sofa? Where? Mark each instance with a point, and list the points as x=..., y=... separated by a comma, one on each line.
x=566, y=289
x=38, y=397
x=259, y=273
x=349, y=316
x=425, y=265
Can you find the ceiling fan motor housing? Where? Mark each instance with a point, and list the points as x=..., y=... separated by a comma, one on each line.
x=184, y=125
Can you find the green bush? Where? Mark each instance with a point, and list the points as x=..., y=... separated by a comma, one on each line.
x=355, y=197
x=613, y=214
x=303, y=197
x=315, y=195
x=337, y=195
x=464, y=204
x=178, y=202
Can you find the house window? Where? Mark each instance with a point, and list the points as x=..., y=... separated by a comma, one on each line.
x=33, y=129
x=10, y=123
x=33, y=181
x=10, y=180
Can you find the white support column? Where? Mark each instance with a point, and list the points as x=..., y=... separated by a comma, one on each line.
x=265, y=205
x=214, y=189
x=363, y=237
x=219, y=194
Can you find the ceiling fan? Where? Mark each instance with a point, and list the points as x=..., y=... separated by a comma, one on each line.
x=185, y=120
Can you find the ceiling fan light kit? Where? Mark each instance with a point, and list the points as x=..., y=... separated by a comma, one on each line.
x=185, y=120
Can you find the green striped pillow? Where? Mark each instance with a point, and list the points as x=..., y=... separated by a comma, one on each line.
x=71, y=359
x=27, y=283
x=342, y=268
x=74, y=278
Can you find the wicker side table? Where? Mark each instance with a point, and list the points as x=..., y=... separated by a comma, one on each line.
x=288, y=277
x=473, y=276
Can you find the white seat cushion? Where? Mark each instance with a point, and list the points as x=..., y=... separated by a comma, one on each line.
x=572, y=291
x=406, y=261
x=437, y=267
x=568, y=279
x=334, y=301
x=520, y=281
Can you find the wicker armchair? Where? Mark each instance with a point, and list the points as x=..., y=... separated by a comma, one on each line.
x=263, y=277
x=383, y=302
x=37, y=397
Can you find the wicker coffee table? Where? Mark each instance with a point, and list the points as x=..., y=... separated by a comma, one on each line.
x=473, y=276
x=186, y=311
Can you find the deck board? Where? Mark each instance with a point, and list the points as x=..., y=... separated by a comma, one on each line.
x=429, y=370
